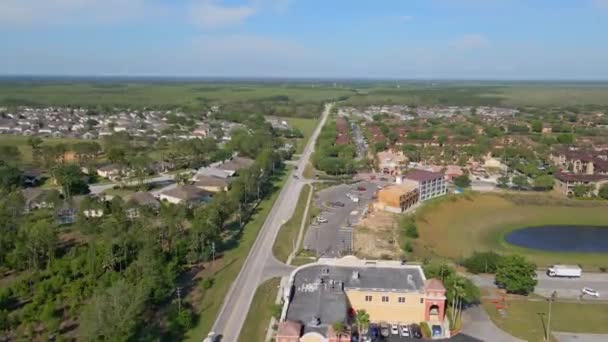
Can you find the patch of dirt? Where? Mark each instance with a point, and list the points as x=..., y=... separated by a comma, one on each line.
x=376, y=237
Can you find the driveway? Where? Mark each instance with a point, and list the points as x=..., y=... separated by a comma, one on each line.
x=477, y=324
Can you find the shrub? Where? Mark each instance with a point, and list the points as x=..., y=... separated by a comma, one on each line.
x=425, y=329
x=408, y=247
x=276, y=310
x=484, y=262
x=408, y=226
x=516, y=275
x=207, y=283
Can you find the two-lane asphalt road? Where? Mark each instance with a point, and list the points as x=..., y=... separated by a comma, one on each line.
x=565, y=288
x=260, y=263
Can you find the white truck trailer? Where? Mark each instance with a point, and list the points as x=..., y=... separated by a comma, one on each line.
x=566, y=271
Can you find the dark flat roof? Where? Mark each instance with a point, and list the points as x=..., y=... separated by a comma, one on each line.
x=318, y=290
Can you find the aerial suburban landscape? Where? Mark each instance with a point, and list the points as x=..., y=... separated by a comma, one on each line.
x=260, y=187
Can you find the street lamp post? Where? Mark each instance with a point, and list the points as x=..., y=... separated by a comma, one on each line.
x=551, y=299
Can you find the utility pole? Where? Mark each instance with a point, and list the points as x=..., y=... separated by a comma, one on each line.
x=179, y=299
x=553, y=297
x=212, y=253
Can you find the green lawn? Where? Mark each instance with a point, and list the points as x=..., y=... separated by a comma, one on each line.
x=455, y=226
x=260, y=312
x=526, y=319
x=306, y=126
x=288, y=234
x=157, y=94
x=20, y=142
x=124, y=193
x=232, y=262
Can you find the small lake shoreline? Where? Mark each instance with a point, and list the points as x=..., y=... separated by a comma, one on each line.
x=561, y=238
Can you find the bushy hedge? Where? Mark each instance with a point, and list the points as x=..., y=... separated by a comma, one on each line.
x=482, y=262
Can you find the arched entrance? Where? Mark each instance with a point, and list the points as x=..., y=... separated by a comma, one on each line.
x=434, y=312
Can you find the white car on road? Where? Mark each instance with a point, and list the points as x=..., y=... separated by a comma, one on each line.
x=321, y=219
x=590, y=292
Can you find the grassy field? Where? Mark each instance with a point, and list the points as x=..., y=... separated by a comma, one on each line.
x=454, y=227
x=183, y=93
x=156, y=94
x=231, y=264
x=260, y=312
x=485, y=94
x=559, y=95
x=20, y=142
x=526, y=319
x=286, y=239
x=306, y=126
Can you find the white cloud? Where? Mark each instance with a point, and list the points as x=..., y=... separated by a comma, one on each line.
x=601, y=3
x=470, y=41
x=69, y=12
x=210, y=14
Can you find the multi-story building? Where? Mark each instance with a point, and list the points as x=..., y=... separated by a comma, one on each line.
x=430, y=184
x=580, y=167
x=397, y=198
x=332, y=290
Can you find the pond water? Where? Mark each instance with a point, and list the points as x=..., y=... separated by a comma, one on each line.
x=580, y=239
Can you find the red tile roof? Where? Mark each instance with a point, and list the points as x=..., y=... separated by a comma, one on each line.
x=434, y=285
x=422, y=175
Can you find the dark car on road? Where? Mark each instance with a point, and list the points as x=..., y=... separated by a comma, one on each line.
x=337, y=204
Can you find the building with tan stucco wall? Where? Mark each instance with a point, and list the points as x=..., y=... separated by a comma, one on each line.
x=332, y=290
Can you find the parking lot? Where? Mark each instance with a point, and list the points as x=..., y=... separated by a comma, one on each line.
x=333, y=236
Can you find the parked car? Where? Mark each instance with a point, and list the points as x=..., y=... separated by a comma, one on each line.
x=361, y=188
x=321, y=219
x=384, y=329
x=590, y=292
x=374, y=331
x=337, y=204
x=416, y=331
x=405, y=331
x=394, y=329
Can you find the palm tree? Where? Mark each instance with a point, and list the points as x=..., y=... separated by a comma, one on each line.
x=339, y=328
x=362, y=321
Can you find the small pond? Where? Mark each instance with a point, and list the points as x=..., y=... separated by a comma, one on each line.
x=578, y=239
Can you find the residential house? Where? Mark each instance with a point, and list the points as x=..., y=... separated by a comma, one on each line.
x=141, y=199
x=112, y=171
x=31, y=177
x=391, y=162
x=235, y=164
x=212, y=184
x=188, y=194
x=36, y=198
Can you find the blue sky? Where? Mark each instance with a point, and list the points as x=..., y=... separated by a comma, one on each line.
x=456, y=39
